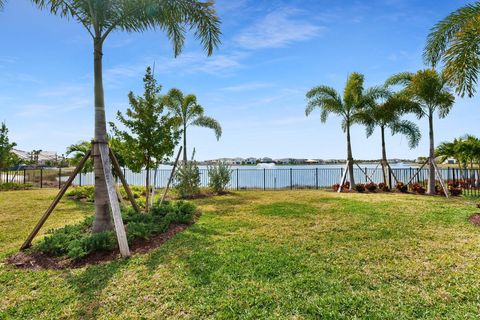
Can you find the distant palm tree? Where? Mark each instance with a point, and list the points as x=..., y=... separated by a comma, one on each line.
x=447, y=150
x=455, y=42
x=100, y=18
x=354, y=100
x=190, y=113
x=429, y=90
x=77, y=152
x=387, y=114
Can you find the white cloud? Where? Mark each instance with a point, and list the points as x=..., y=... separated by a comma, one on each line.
x=278, y=29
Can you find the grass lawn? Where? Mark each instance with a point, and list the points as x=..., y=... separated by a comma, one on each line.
x=264, y=255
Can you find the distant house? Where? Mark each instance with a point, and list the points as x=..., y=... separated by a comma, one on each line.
x=266, y=160
x=312, y=161
x=450, y=161
x=283, y=161
x=251, y=160
x=39, y=158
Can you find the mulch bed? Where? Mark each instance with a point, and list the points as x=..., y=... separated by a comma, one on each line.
x=39, y=261
x=475, y=219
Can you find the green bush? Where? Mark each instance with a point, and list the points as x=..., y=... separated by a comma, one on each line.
x=219, y=177
x=82, y=193
x=10, y=186
x=187, y=180
x=76, y=241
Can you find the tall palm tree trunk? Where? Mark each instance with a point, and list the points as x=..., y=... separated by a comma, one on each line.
x=350, y=159
x=185, y=159
x=431, y=174
x=384, y=158
x=102, y=219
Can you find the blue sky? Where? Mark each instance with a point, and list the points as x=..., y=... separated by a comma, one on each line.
x=272, y=53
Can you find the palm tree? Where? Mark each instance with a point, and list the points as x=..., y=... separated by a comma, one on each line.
x=101, y=18
x=387, y=114
x=354, y=100
x=430, y=91
x=189, y=113
x=78, y=152
x=454, y=42
x=447, y=150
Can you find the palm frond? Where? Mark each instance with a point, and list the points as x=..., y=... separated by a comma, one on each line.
x=402, y=78
x=208, y=122
x=409, y=130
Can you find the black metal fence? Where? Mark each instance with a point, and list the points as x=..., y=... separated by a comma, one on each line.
x=260, y=178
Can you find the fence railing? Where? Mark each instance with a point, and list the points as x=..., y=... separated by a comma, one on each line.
x=258, y=178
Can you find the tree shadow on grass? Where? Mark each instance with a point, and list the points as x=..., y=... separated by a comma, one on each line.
x=88, y=285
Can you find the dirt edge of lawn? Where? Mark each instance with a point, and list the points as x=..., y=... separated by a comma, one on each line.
x=39, y=261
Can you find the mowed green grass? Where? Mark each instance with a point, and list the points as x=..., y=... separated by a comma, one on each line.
x=265, y=255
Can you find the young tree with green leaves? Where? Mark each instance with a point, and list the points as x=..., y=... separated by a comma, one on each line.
x=151, y=133
x=190, y=113
x=455, y=43
x=387, y=113
x=7, y=158
x=355, y=99
x=430, y=91
x=100, y=18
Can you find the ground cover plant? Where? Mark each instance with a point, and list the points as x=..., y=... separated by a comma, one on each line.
x=306, y=254
x=8, y=186
x=77, y=242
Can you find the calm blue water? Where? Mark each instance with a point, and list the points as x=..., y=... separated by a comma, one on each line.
x=273, y=177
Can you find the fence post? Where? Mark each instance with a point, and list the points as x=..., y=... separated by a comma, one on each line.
x=366, y=175
x=80, y=178
x=237, y=179
x=24, y=176
x=264, y=180
x=291, y=179
x=59, y=178
x=316, y=178
x=41, y=178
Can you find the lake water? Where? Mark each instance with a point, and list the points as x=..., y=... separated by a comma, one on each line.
x=267, y=176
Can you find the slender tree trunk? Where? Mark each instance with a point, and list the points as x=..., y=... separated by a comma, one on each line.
x=350, y=158
x=185, y=158
x=147, y=188
x=102, y=219
x=384, y=157
x=431, y=175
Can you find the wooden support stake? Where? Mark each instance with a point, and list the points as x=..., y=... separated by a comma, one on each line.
x=374, y=170
x=57, y=199
x=439, y=177
x=363, y=171
x=171, y=175
x=418, y=171
x=117, y=168
x=342, y=182
x=112, y=196
x=393, y=173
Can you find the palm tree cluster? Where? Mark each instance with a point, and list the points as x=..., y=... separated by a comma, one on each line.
x=465, y=150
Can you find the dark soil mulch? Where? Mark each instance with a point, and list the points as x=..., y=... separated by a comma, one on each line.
x=475, y=219
x=39, y=261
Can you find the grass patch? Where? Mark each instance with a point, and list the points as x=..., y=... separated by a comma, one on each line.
x=338, y=256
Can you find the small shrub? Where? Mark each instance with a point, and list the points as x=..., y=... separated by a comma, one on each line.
x=360, y=187
x=86, y=193
x=12, y=186
x=439, y=190
x=401, y=187
x=219, y=177
x=76, y=241
x=384, y=187
x=455, y=191
x=187, y=180
x=345, y=187
x=372, y=187
x=418, y=188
